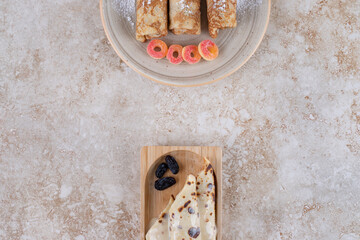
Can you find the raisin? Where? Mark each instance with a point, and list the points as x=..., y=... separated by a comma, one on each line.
x=194, y=232
x=161, y=170
x=172, y=164
x=164, y=183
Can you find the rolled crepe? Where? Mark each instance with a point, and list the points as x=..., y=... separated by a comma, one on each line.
x=151, y=19
x=184, y=222
x=206, y=201
x=185, y=16
x=159, y=230
x=221, y=14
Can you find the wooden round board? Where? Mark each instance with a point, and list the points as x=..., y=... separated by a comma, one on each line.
x=236, y=46
x=190, y=160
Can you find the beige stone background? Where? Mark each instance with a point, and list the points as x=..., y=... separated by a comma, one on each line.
x=73, y=118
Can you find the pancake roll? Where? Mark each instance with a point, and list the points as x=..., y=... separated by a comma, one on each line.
x=221, y=14
x=185, y=16
x=151, y=19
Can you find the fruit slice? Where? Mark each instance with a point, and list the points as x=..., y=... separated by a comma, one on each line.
x=157, y=49
x=174, y=54
x=184, y=214
x=208, y=50
x=191, y=54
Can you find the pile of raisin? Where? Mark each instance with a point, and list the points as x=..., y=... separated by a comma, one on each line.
x=166, y=182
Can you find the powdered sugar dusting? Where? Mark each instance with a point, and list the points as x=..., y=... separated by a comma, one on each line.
x=184, y=7
x=126, y=9
x=220, y=4
x=244, y=5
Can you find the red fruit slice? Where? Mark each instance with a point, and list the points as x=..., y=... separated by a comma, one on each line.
x=174, y=54
x=208, y=50
x=157, y=49
x=191, y=54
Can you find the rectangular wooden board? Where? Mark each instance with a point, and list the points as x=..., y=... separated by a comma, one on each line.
x=190, y=160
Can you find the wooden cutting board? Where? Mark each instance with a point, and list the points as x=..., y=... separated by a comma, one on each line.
x=190, y=160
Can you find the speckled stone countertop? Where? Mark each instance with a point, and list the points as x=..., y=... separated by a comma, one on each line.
x=73, y=118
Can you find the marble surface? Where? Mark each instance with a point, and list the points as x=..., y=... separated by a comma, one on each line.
x=73, y=118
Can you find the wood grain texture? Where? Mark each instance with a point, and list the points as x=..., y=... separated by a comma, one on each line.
x=190, y=160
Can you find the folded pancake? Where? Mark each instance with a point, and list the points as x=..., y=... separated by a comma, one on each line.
x=151, y=19
x=184, y=222
x=206, y=201
x=159, y=230
x=185, y=16
x=221, y=14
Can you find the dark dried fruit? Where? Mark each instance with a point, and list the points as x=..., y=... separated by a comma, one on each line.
x=194, y=232
x=161, y=170
x=172, y=164
x=164, y=183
